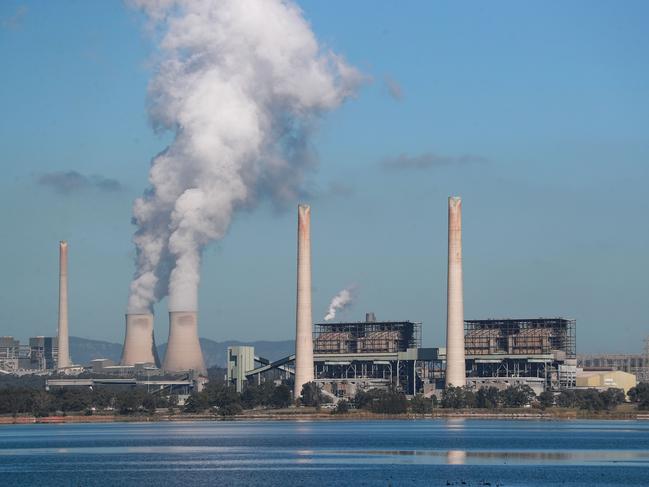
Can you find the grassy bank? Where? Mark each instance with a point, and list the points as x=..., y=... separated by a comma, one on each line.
x=624, y=412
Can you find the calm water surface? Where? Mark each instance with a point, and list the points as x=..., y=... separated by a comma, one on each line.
x=389, y=453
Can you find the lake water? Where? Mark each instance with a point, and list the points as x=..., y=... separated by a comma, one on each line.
x=389, y=453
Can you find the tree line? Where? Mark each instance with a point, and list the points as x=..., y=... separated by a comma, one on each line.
x=39, y=403
x=222, y=399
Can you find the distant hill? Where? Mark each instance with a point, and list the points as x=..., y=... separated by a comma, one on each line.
x=84, y=350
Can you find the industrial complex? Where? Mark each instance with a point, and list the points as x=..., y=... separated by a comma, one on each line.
x=343, y=358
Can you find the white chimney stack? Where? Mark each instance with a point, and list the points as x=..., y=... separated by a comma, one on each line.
x=63, y=338
x=304, y=319
x=455, y=365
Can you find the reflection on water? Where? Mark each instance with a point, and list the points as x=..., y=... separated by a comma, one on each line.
x=455, y=457
x=455, y=423
x=419, y=452
x=461, y=457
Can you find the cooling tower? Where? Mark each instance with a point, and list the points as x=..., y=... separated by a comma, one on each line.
x=303, y=321
x=183, y=348
x=139, y=342
x=63, y=339
x=455, y=365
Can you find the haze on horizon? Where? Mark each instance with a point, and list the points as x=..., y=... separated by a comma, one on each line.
x=536, y=114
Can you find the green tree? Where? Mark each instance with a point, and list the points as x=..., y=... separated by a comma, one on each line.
x=252, y=397
x=311, y=395
x=517, y=396
x=453, y=398
x=390, y=402
x=41, y=404
x=197, y=402
x=546, y=399
x=102, y=397
x=15, y=400
x=421, y=404
x=640, y=395
x=129, y=401
x=172, y=401
x=590, y=399
x=382, y=401
x=258, y=395
x=150, y=402
x=342, y=407
x=487, y=397
x=281, y=397
x=364, y=399
x=567, y=399
x=70, y=399
x=224, y=398
x=612, y=397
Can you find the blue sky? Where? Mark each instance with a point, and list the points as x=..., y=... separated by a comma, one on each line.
x=537, y=114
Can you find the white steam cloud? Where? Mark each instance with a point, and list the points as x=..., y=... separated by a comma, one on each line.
x=240, y=83
x=339, y=302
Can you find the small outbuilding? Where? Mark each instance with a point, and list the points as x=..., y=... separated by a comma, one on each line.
x=610, y=379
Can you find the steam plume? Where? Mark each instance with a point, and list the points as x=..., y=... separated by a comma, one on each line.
x=240, y=83
x=339, y=302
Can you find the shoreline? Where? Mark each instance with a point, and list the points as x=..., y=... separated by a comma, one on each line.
x=324, y=415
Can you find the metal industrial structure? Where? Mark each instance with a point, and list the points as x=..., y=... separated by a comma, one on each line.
x=39, y=356
x=541, y=349
x=636, y=364
x=139, y=341
x=362, y=355
x=241, y=359
x=182, y=386
x=353, y=356
x=366, y=337
x=303, y=314
x=455, y=360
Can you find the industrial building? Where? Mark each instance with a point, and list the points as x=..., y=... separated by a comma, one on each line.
x=39, y=356
x=352, y=356
x=540, y=350
x=182, y=386
x=355, y=356
x=636, y=364
x=615, y=379
x=349, y=356
x=346, y=357
x=241, y=359
x=104, y=366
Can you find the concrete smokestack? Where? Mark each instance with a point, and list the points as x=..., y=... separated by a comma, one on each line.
x=183, y=348
x=455, y=365
x=139, y=342
x=304, y=318
x=63, y=338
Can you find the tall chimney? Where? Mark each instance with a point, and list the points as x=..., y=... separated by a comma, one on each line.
x=139, y=342
x=63, y=339
x=455, y=366
x=304, y=318
x=183, y=347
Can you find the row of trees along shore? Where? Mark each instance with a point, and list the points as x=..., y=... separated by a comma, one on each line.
x=221, y=399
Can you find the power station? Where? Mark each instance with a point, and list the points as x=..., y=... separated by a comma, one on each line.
x=341, y=357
